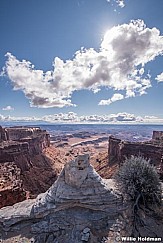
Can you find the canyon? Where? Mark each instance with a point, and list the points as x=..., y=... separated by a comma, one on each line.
x=79, y=207
x=62, y=189
x=25, y=170
x=31, y=159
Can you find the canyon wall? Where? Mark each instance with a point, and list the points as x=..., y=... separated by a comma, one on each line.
x=79, y=207
x=119, y=149
x=157, y=135
x=3, y=134
x=22, y=151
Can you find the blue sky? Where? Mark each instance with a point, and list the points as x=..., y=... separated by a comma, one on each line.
x=88, y=60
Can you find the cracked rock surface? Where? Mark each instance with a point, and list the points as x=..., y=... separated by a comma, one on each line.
x=79, y=207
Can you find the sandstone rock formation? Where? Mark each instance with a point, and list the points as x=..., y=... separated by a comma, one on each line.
x=21, y=151
x=157, y=135
x=153, y=149
x=3, y=134
x=78, y=185
x=11, y=189
x=79, y=207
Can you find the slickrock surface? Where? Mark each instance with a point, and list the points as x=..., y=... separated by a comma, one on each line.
x=79, y=185
x=79, y=207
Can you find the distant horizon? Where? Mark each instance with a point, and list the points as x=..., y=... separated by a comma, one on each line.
x=81, y=60
x=53, y=124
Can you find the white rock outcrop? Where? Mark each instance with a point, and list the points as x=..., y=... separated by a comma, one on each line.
x=79, y=185
x=79, y=207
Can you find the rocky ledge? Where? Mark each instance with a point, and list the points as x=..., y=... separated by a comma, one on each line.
x=79, y=207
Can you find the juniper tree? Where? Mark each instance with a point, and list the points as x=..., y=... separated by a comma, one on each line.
x=139, y=182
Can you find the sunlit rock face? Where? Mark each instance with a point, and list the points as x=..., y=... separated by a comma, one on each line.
x=78, y=185
x=79, y=207
x=77, y=171
x=119, y=149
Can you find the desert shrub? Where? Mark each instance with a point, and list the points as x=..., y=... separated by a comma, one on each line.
x=139, y=182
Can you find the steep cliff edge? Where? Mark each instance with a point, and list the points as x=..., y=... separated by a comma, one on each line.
x=153, y=150
x=79, y=207
x=25, y=170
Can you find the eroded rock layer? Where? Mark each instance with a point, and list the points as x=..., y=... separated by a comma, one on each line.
x=25, y=171
x=152, y=149
x=79, y=207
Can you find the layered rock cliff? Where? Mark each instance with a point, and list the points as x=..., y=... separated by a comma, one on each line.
x=152, y=150
x=21, y=148
x=79, y=207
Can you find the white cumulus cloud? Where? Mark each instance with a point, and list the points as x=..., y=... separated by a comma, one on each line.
x=8, y=108
x=123, y=117
x=117, y=65
x=2, y=118
x=159, y=77
x=73, y=118
x=114, y=98
x=120, y=3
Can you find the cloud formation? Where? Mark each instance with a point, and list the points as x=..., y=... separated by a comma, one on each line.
x=125, y=117
x=73, y=118
x=8, y=108
x=117, y=65
x=159, y=77
x=114, y=98
x=120, y=3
